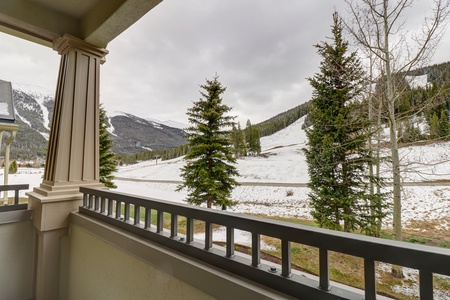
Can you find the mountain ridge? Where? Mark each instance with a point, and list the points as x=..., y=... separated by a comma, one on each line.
x=130, y=134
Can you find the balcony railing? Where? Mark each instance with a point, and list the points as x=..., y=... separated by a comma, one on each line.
x=116, y=209
x=15, y=205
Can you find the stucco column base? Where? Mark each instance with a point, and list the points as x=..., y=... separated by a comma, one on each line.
x=53, y=202
x=48, y=264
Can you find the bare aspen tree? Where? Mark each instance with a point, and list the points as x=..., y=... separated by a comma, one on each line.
x=380, y=26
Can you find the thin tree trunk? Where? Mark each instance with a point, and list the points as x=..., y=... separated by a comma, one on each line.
x=397, y=218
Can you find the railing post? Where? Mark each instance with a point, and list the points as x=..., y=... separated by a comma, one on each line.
x=102, y=205
x=85, y=200
x=16, y=197
x=91, y=201
x=256, y=249
x=285, y=258
x=230, y=242
x=126, y=215
x=173, y=225
x=208, y=235
x=137, y=215
x=159, y=221
x=96, y=203
x=110, y=207
x=189, y=230
x=369, y=280
x=148, y=218
x=324, y=277
x=118, y=210
x=426, y=284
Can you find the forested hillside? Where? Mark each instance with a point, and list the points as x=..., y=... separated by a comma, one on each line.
x=282, y=120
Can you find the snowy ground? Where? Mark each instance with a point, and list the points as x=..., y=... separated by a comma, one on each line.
x=284, y=162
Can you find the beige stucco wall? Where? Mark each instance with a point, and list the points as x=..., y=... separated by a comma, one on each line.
x=107, y=263
x=17, y=244
x=99, y=270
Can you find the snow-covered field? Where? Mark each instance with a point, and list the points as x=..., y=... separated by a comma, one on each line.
x=283, y=162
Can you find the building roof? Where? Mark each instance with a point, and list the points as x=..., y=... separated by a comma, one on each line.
x=6, y=103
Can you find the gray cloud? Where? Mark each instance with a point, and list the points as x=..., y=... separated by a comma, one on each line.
x=262, y=51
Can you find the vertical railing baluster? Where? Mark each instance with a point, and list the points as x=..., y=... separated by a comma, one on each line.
x=324, y=276
x=85, y=200
x=16, y=197
x=189, y=230
x=126, y=216
x=256, y=249
x=118, y=209
x=285, y=258
x=148, y=218
x=173, y=225
x=370, y=288
x=110, y=207
x=91, y=204
x=159, y=221
x=208, y=235
x=230, y=242
x=96, y=203
x=426, y=284
x=102, y=205
x=137, y=215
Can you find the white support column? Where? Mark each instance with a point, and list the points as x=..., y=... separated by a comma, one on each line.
x=72, y=155
x=7, y=150
x=12, y=128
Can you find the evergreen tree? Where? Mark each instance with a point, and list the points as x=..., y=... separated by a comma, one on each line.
x=444, y=127
x=255, y=141
x=209, y=170
x=108, y=163
x=242, y=148
x=13, y=167
x=252, y=139
x=434, y=126
x=238, y=141
x=337, y=153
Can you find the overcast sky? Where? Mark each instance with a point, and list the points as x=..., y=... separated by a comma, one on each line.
x=262, y=51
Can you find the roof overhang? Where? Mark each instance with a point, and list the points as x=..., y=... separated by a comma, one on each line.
x=95, y=21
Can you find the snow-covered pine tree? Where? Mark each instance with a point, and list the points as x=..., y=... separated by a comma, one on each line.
x=108, y=163
x=209, y=170
x=337, y=154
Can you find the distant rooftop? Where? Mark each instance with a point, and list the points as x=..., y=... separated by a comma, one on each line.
x=6, y=103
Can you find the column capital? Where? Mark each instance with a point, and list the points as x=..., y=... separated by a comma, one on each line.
x=67, y=42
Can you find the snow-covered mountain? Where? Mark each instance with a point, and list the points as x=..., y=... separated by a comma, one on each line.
x=131, y=134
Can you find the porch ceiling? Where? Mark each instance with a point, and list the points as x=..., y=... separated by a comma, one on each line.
x=96, y=21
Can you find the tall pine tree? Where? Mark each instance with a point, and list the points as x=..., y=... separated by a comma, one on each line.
x=253, y=139
x=238, y=141
x=209, y=170
x=108, y=163
x=337, y=154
